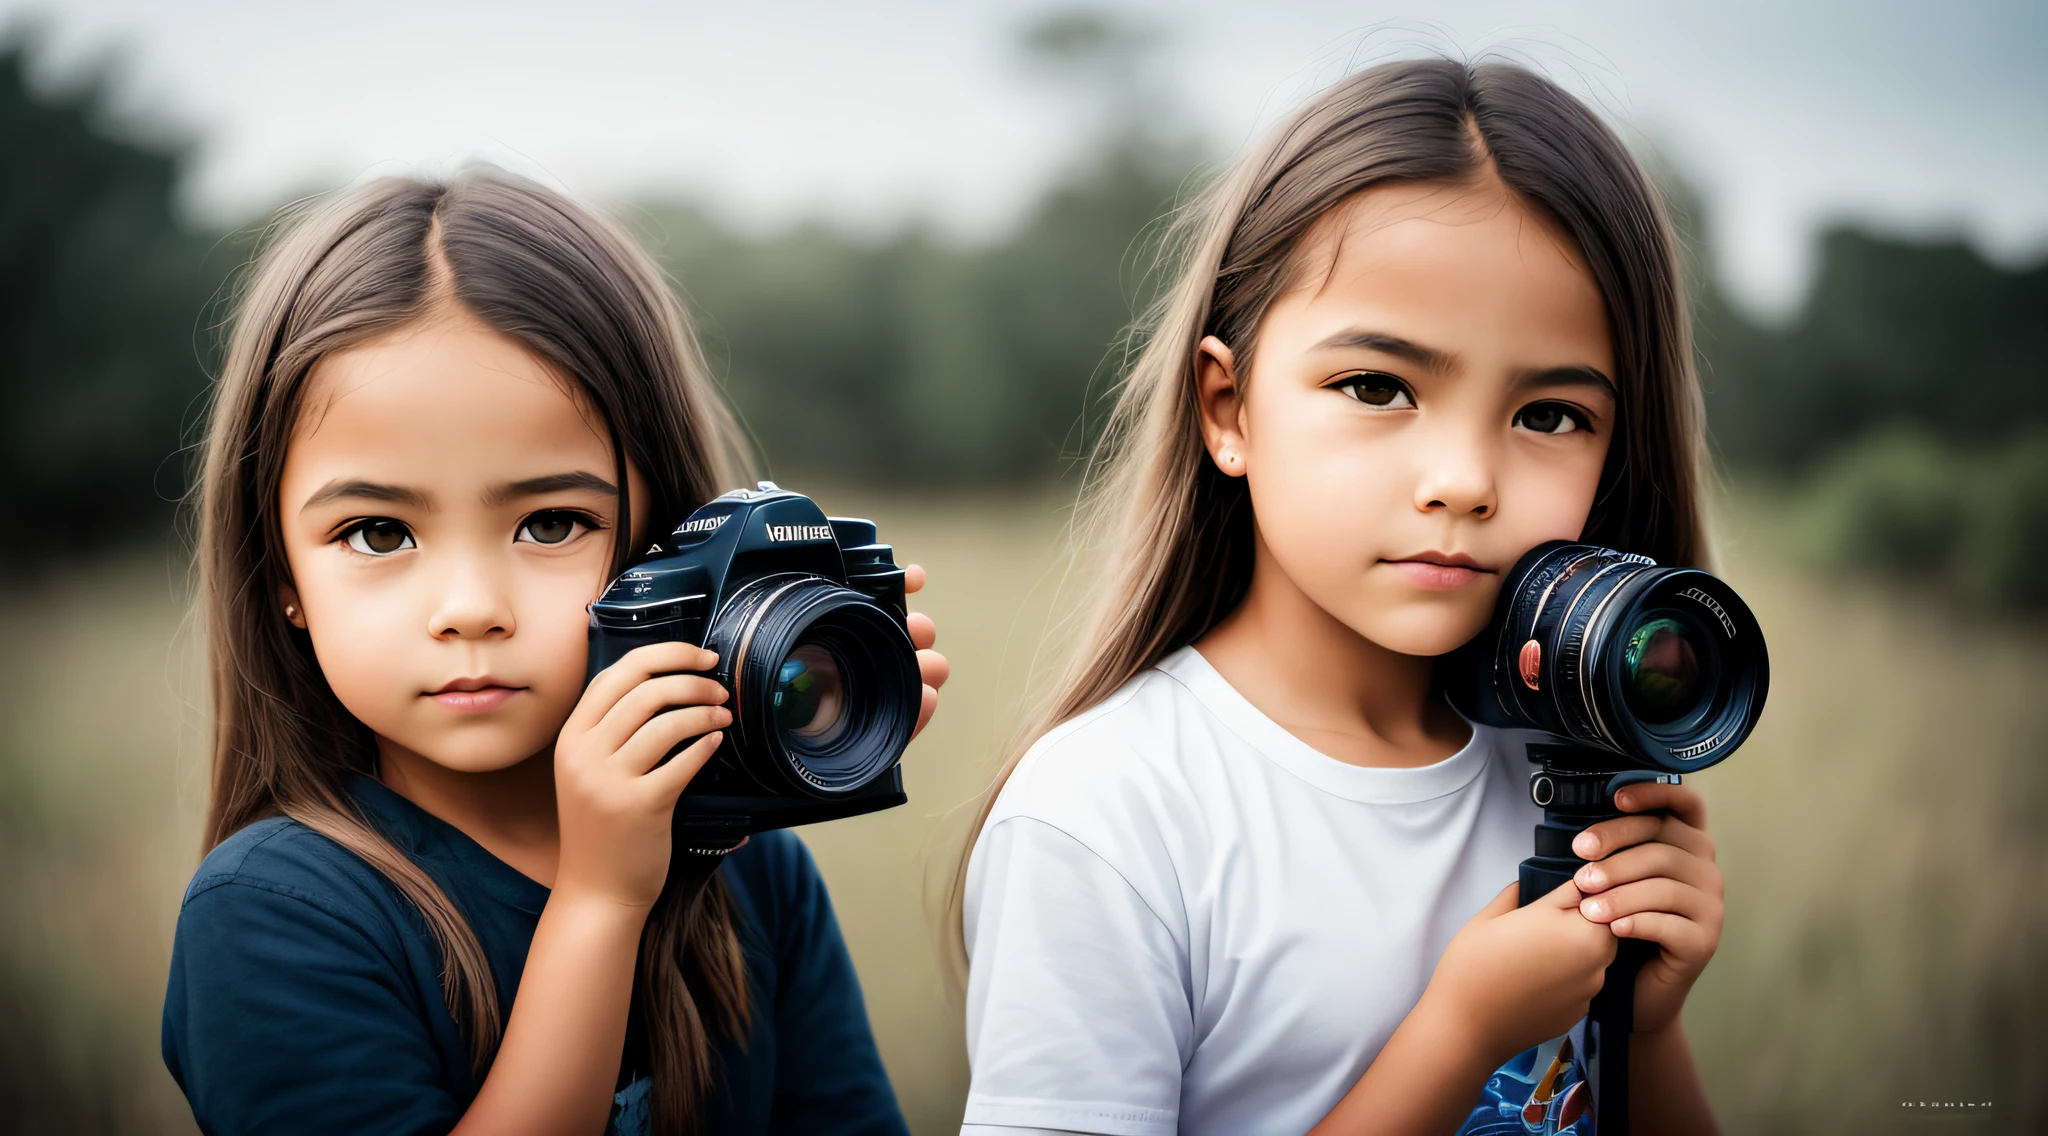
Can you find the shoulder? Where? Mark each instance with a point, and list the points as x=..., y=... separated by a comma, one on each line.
x=1149, y=751
x=280, y=861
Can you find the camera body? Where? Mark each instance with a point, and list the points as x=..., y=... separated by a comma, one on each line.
x=807, y=616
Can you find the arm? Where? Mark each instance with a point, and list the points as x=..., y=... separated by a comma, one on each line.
x=1513, y=977
x=1078, y=1013
x=1664, y=1091
x=286, y=1013
x=559, y=1061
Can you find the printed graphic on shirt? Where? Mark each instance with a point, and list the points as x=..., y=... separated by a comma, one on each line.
x=1539, y=1092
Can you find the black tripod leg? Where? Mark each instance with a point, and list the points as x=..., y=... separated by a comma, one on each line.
x=1609, y=1022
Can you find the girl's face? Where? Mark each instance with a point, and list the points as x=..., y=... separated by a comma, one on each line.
x=447, y=507
x=1432, y=399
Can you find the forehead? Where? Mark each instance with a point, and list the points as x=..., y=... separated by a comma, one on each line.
x=449, y=401
x=1465, y=263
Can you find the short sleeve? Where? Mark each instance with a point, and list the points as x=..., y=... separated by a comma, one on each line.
x=1078, y=1007
x=829, y=1079
x=284, y=1017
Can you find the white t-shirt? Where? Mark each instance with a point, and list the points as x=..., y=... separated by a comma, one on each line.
x=1182, y=918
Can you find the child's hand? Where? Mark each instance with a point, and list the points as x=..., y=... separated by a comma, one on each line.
x=1514, y=977
x=931, y=665
x=1662, y=886
x=616, y=801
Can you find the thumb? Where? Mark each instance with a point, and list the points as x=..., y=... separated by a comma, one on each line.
x=1501, y=904
x=1565, y=896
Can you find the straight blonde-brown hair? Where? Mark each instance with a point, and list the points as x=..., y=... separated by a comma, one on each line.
x=1172, y=535
x=582, y=297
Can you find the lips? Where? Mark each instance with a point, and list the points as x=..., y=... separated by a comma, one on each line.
x=1441, y=571
x=475, y=695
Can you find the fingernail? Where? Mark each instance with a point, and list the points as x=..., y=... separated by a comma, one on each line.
x=1586, y=844
x=1593, y=908
x=1589, y=878
x=1625, y=800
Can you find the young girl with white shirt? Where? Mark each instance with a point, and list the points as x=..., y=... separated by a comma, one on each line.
x=1255, y=875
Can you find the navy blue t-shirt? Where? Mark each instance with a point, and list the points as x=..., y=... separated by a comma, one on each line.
x=305, y=992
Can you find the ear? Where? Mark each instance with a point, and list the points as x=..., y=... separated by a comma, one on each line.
x=1221, y=398
x=294, y=611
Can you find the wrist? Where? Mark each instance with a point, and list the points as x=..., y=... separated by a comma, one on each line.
x=1455, y=1032
x=595, y=907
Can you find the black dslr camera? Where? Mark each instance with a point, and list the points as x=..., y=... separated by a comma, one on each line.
x=1638, y=673
x=807, y=616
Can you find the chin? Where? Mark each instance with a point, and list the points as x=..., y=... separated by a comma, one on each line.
x=1426, y=630
x=476, y=754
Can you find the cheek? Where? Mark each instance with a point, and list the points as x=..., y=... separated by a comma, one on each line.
x=1548, y=499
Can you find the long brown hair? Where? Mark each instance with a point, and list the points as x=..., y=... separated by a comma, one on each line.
x=1173, y=535
x=577, y=293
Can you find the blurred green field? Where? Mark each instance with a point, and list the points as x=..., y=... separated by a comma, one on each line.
x=1882, y=838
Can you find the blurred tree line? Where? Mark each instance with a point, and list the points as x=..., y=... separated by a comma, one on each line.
x=1907, y=398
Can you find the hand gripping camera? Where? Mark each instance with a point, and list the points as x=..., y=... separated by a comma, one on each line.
x=807, y=616
x=1638, y=673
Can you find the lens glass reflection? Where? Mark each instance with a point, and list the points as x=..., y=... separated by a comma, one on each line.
x=810, y=694
x=1662, y=666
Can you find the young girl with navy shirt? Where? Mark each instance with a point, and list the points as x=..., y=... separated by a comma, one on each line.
x=441, y=894
x=1254, y=875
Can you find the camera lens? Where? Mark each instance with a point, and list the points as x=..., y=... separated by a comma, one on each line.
x=1662, y=664
x=825, y=684
x=810, y=694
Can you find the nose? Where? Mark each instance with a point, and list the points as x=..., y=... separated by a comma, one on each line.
x=1457, y=476
x=473, y=602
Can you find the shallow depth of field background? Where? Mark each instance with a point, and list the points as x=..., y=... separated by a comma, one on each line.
x=1884, y=438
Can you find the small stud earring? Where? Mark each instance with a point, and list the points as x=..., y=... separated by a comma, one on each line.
x=291, y=612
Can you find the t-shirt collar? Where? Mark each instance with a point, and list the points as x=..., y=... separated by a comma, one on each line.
x=425, y=836
x=1365, y=784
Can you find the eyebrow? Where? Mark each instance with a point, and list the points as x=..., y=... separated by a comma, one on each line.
x=1577, y=375
x=1444, y=362
x=1429, y=358
x=552, y=483
x=357, y=489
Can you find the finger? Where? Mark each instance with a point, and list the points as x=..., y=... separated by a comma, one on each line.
x=933, y=668
x=1611, y=835
x=923, y=632
x=632, y=669
x=913, y=578
x=1644, y=861
x=1681, y=801
x=1683, y=938
x=1658, y=894
x=651, y=742
x=927, y=707
x=651, y=697
x=666, y=782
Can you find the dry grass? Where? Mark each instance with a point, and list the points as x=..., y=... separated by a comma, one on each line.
x=1880, y=835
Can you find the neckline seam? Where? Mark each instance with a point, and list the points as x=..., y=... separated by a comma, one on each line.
x=1302, y=770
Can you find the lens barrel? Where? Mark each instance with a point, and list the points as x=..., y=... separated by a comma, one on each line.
x=824, y=681
x=1665, y=666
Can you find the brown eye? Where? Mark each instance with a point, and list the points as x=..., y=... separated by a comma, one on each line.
x=1551, y=418
x=551, y=528
x=1381, y=392
x=380, y=537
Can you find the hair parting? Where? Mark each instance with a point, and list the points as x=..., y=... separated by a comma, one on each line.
x=581, y=296
x=1173, y=536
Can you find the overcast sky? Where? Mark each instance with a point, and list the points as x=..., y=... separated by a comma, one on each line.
x=1925, y=117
